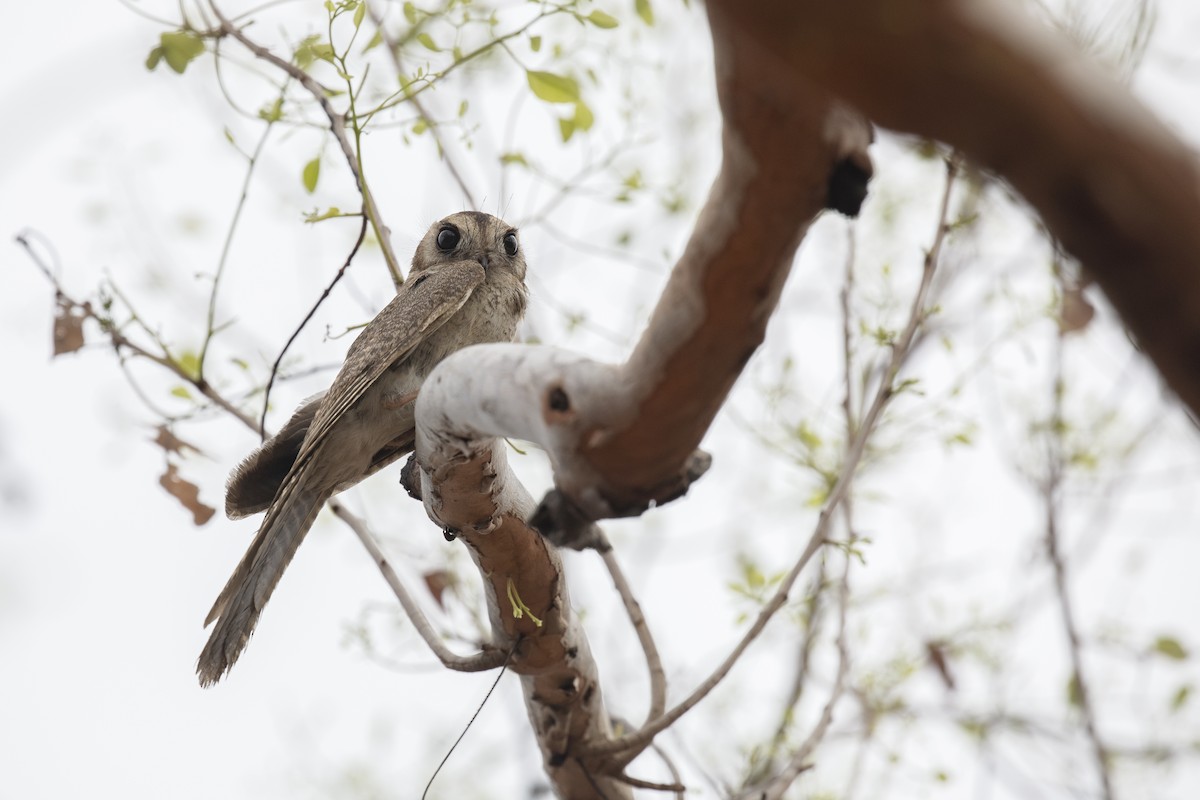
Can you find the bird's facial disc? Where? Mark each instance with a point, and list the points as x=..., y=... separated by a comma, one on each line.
x=471, y=236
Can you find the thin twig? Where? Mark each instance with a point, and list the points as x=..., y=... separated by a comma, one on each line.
x=489, y=658
x=629, y=745
x=337, y=125
x=638, y=783
x=1052, y=496
x=210, y=323
x=120, y=341
x=658, y=676
x=362, y=233
x=393, y=47
x=796, y=764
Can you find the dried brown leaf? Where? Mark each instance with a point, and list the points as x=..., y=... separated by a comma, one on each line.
x=68, y=330
x=168, y=441
x=187, y=494
x=436, y=581
x=1076, y=313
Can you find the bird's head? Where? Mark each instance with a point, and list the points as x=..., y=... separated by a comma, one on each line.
x=472, y=236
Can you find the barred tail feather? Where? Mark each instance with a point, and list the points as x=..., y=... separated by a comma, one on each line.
x=241, y=601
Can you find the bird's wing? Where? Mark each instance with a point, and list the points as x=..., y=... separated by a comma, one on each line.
x=421, y=306
x=255, y=482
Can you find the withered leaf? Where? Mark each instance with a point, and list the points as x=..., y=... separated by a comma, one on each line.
x=1076, y=311
x=68, y=329
x=168, y=441
x=187, y=494
x=436, y=581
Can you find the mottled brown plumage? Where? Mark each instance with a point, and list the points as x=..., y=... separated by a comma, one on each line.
x=466, y=287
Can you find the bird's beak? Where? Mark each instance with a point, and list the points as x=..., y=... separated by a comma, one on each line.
x=483, y=260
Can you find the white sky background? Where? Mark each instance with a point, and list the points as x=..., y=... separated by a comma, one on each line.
x=104, y=580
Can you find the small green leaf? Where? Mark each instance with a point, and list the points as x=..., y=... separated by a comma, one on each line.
x=359, y=14
x=553, y=88
x=189, y=362
x=155, y=56
x=376, y=40
x=1180, y=698
x=583, y=116
x=312, y=172
x=535, y=43
x=179, y=48
x=329, y=6
x=427, y=40
x=602, y=20
x=1074, y=691
x=644, y=11
x=566, y=127
x=181, y=392
x=1170, y=647
x=303, y=54
x=420, y=126
x=514, y=158
x=318, y=216
x=410, y=13
x=323, y=51
x=462, y=109
x=229, y=136
x=272, y=112
x=240, y=363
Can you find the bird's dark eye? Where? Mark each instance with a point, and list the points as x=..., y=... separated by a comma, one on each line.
x=447, y=239
x=510, y=243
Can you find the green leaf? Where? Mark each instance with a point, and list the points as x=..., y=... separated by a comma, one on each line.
x=303, y=55
x=181, y=392
x=179, y=48
x=310, y=175
x=644, y=11
x=323, y=51
x=583, y=116
x=359, y=13
x=1170, y=647
x=317, y=216
x=189, y=362
x=420, y=126
x=566, y=127
x=273, y=112
x=602, y=20
x=553, y=88
x=427, y=40
x=462, y=109
x=376, y=40
x=514, y=158
x=1074, y=691
x=1180, y=698
x=410, y=13
x=535, y=43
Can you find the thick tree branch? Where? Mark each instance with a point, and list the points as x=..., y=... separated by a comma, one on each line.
x=1112, y=183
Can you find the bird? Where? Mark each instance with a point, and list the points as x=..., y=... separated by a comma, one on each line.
x=466, y=286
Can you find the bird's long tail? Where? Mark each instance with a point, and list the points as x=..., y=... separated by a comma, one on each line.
x=241, y=601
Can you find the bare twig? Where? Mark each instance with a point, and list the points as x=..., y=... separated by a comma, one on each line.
x=658, y=677
x=484, y=660
x=1052, y=496
x=362, y=232
x=796, y=764
x=210, y=322
x=121, y=342
x=629, y=745
x=393, y=48
x=337, y=125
